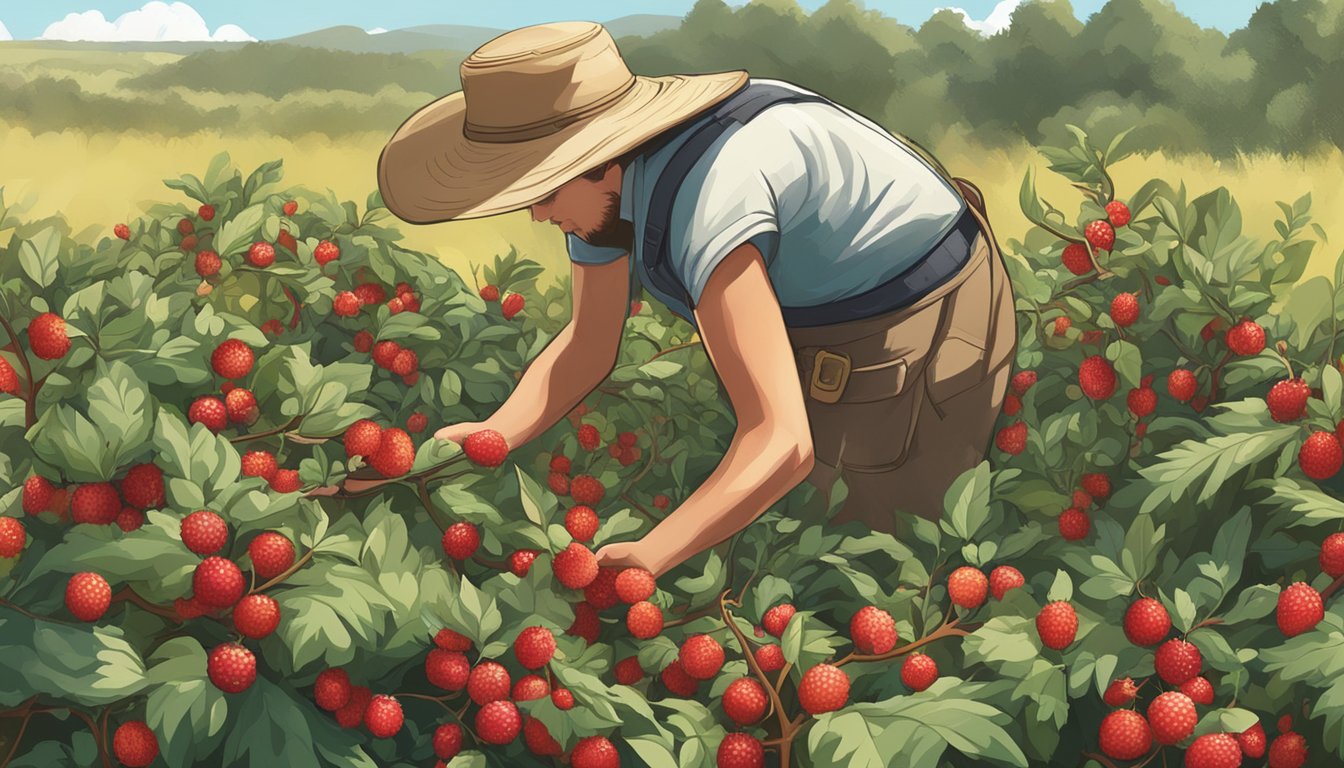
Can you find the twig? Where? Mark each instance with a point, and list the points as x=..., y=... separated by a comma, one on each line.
x=288, y=572
x=1329, y=591
x=669, y=350
x=30, y=402
x=948, y=629
x=126, y=594
x=27, y=710
x=639, y=508
x=294, y=422
x=787, y=728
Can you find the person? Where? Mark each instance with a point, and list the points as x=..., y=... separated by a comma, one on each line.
x=849, y=294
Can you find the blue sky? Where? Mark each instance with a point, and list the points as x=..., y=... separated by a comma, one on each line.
x=269, y=19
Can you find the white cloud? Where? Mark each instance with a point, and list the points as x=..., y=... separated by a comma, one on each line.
x=4, y=32
x=998, y=19
x=155, y=21
x=375, y=31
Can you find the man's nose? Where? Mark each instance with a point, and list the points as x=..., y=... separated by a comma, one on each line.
x=538, y=213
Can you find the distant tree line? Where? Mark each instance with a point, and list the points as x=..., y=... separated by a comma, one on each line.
x=1277, y=84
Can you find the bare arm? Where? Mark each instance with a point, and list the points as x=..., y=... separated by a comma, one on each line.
x=771, y=451
x=575, y=361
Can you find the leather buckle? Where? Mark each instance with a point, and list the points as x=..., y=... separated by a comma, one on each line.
x=830, y=374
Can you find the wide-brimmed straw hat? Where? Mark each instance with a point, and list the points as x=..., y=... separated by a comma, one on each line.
x=539, y=106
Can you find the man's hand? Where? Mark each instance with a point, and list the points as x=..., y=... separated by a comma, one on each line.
x=627, y=554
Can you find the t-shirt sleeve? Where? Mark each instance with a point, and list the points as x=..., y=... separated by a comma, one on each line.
x=583, y=252
x=730, y=198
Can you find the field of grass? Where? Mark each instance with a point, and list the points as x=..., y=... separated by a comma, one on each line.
x=97, y=180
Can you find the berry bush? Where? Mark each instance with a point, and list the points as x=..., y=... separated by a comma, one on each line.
x=230, y=538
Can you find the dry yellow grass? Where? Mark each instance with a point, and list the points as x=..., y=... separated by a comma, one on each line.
x=100, y=179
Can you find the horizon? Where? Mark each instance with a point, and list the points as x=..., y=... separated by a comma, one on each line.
x=254, y=20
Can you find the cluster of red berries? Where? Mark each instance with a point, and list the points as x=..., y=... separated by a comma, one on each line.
x=349, y=303
x=1074, y=522
x=390, y=356
x=511, y=305
x=388, y=450
x=1100, y=234
x=104, y=503
x=586, y=491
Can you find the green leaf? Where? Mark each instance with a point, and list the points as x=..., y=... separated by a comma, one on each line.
x=967, y=502
x=1255, y=602
x=531, y=497
x=1310, y=304
x=1306, y=505
x=64, y=437
x=119, y=404
x=1128, y=360
x=1062, y=588
x=1214, y=461
x=38, y=255
x=333, y=610
x=185, y=710
x=275, y=728
x=152, y=558
x=89, y=666
x=237, y=232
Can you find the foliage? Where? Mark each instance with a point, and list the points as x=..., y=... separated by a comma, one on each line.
x=1210, y=513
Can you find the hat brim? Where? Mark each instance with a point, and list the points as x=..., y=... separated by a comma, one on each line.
x=431, y=172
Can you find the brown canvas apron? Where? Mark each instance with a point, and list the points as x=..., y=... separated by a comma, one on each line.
x=900, y=404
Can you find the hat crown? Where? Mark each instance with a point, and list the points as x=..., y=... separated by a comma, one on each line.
x=534, y=81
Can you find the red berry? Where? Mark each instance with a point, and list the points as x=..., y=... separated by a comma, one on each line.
x=1147, y=622
x=1172, y=717
x=122, y=231
x=587, y=490
x=332, y=689
x=447, y=669
x=1057, y=625
x=1321, y=456
x=677, y=681
x=461, y=540
x=512, y=305
x=1182, y=385
x=486, y=448
x=47, y=336
x=1076, y=259
x=1162, y=280
x=290, y=208
x=1125, y=735
x=370, y=293
x=744, y=701
x=534, y=647
x=352, y=714
x=1074, y=525
x=1004, y=578
x=644, y=620
x=520, y=562
x=256, y=616
x=489, y=681
x=346, y=304
x=740, y=750
x=261, y=255
x=601, y=593
x=286, y=481
x=824, y=688
x=575, y=566
x=1246, y=338
x=207, y=263
x=1096, y=484
x=661, y=501
x=1213, y=750
x=95, y=503
x=383, y=717
x=134, y=744
x=1118, y=213
x=1097, y=378
x=363, y=438
x=272, y=554
x=1199, y=689
x=560, y=463
x=204, y=532
x=498, y=722
x=37, y=494
x=417, y=422
x=1252, y=741
x=363, y=341
x=558, y=482
x=1023, y=381
x=326, y=251
x=594, y=752
x=1120, y=692
x=209, y=411
x=384, y=352
x=232, y=359
x=490, y=293
x=777, y=619
x=1332, y=555
x=562, y=698
x=634, y=585
x=12, y=537
x=88, y=596
x=1142, y=401
x=539, y=739
x=770, y=658
x=628, y=671
x=259, y=464
x=1177, y=661
x=967, y=587
x=1299, y=610
x=395, y=455
x=405, y=363
x=1287, y=400
x=918, y=672
x=9, y=378
x=589, y=439
x=1012, y=405
x=217, y=583
x=581, y=522
x=232, y=668
x=872, y=630
x=1062, y=325
x=587, y=625
x=447, y=741
x=1100, y=234
x=286, y=241
x=1288, y=751
x=701, y=656
x=1012, y=439
x=450, y=640
x=241, y=405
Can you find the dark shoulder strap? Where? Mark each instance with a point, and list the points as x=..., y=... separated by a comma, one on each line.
x=737, y=109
